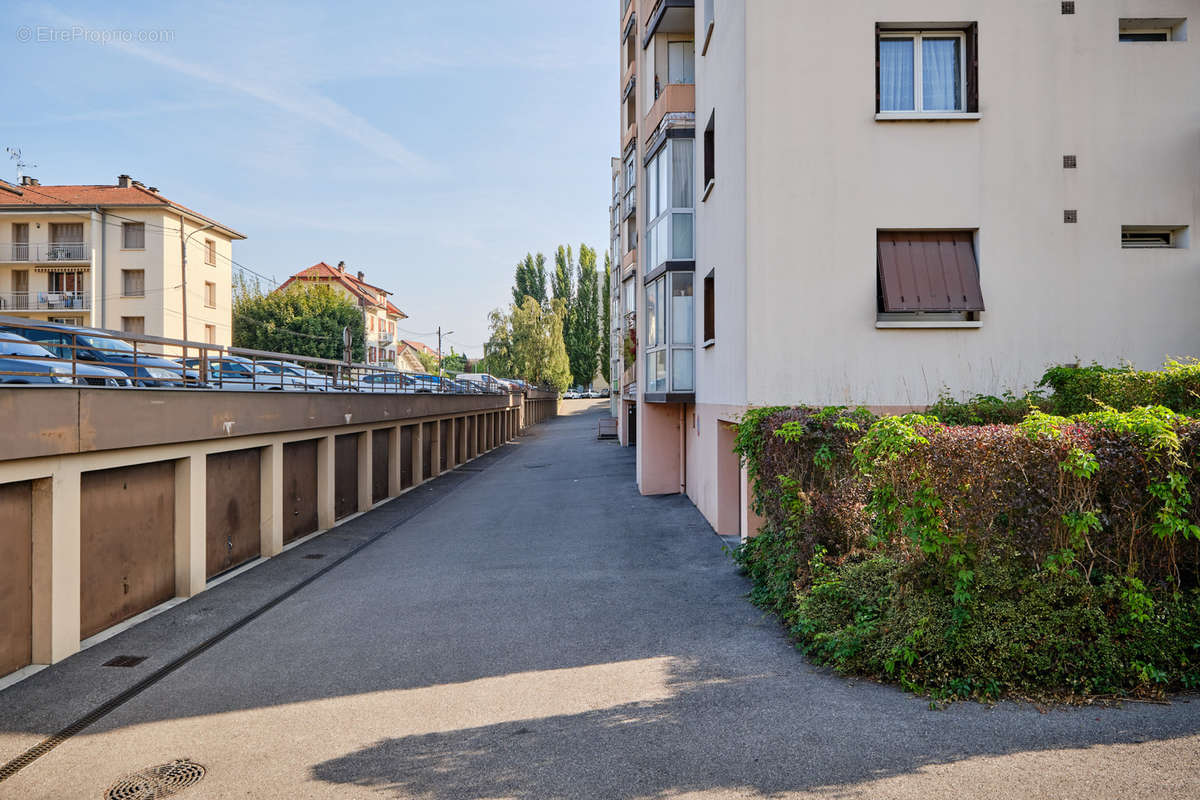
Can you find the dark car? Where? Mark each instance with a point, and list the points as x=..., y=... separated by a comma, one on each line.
x=24, y=362
x=99, y=348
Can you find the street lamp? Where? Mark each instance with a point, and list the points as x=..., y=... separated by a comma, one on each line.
x=183, y=240
x=440, y=349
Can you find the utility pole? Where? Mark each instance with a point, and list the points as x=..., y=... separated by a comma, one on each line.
x=183, y=266
x=440, y=349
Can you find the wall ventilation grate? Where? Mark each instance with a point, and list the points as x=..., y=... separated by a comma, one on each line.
x=1071, y=215
x=1068, y=7
x=1068, y=162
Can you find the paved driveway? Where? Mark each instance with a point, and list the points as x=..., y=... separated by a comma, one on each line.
x=539, y=630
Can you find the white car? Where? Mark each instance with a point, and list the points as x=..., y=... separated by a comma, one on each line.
x=313, y=380
x=239, y=373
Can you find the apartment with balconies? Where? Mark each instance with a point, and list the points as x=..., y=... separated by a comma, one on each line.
x=379, y=314
x=871, y=203
x=112, y=256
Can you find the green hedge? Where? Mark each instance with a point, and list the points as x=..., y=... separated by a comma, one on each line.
x=1051, y=556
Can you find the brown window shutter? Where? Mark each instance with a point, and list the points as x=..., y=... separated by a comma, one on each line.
x=973, y=67
x=928, y=271
x=876, y=67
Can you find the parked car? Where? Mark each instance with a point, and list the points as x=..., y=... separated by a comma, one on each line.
x=571, y=395
x=313, y=380
x=489, y=383
x=240, y=373
x=101, y=349
x=398, y=382
x=25, y=362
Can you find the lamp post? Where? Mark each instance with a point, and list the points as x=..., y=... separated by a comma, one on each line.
x=183, y=240
x=440, y=349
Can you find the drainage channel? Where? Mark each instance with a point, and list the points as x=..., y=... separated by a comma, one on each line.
x=49, y=743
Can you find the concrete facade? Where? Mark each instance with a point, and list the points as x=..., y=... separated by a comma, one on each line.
x=808, y=171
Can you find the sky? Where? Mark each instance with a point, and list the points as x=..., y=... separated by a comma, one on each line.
x=429, y=144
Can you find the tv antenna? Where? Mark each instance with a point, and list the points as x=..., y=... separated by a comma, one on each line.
x=14, y=154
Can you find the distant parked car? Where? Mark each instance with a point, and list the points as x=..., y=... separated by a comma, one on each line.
x=398, y=382
x=313, y=380
x=571, y=395
x=240, y=373
x=101, y=349
x=24, y=362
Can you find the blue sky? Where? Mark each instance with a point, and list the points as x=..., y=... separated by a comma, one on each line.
x=429, y=144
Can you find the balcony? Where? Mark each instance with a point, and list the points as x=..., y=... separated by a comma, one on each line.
x=676, y=98
x=386, y=338
x=45, y=301
x=668, y=16
x=44, y=252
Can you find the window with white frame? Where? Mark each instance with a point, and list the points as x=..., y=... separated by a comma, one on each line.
x=670, y=333
x=930, y=71
x=670, y=204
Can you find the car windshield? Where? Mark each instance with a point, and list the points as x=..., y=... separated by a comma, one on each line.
x=16, y=347
x=104, y=343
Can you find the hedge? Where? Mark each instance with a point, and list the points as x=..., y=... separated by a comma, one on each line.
x=1057, y=555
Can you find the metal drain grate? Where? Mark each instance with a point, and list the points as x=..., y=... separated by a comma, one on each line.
x=313, y=556
x=165, y=780
x=124, y=661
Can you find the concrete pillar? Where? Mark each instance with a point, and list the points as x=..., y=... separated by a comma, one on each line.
x=191, y=525
x=435, y=455
x=452, y=447
x=366, y=466
x=418, y=453
x=56, y=571
x=394, y=463
x=326, y=470
x=270, y=501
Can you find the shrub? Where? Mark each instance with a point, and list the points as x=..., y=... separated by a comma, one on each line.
x=1080, y=389
x=1007, y=409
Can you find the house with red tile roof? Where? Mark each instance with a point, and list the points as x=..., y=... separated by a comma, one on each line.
x=379, y=314
x=111, y=256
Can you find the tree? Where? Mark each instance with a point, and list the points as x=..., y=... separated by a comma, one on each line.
x=454, y=363
x=429, y=362
x=526, y=342
x=530, y=279
x=606, y=316
x=305, y=319
x=583, y=334
x=562, y=279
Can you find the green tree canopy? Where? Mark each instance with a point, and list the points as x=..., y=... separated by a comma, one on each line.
x=604, y=353
x=583, y=333
x=530, y=279
x=526, y=342
x=305, y=319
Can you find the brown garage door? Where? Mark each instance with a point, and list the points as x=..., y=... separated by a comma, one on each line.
x=127, y=533
x=16, y=576
x=379, y=465
x=427, y=446
x=299, y=489
x=233, y=509
x=447, y=459
x=345, y=475
x=406, y=464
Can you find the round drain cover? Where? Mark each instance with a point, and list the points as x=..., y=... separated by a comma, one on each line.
x=152, y=783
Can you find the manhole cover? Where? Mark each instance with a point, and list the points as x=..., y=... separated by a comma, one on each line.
x=165, y=780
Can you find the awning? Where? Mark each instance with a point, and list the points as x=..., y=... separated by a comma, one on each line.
x=64, y=268
x=928, y=271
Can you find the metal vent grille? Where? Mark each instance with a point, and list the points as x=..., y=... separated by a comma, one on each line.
x=1070, y=215
x=1068, y=162
x=1068, y=7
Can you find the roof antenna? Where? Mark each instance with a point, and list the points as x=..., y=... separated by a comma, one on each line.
x=14, y=154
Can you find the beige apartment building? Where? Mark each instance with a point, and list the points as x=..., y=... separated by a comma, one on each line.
x=111, y=256
x=379, y=315
x=870, y=203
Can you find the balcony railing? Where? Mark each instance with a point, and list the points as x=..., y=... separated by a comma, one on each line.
x=44, y=252
x=45, y=301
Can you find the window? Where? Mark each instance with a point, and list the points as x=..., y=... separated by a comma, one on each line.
x=210, y=294
x=927, y=72
x=681, y=62
x=1140, y=237
x=927, y=277
x=670, y=333
x=710, y=307
x=372, y=355
x=20, y=241
x=670, y=204
x=630, y=178
x=133, y=235
x=1152, y=30
x=135, y=325
x=210, y=252
x=133, y=283
x=210, y=334
x=710, y=154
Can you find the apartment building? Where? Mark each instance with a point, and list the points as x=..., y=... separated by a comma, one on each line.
x=379, y=315
x=869, y=203
x=111, y=256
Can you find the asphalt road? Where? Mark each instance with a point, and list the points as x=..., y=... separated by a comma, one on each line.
x=533, y=628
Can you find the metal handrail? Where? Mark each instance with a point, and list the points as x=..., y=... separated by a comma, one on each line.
x=44, y=252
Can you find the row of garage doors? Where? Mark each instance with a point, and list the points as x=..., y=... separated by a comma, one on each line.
x=127, y=526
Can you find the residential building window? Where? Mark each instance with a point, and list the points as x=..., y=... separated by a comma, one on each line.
x=68, y=282
x=930, y=71
x=210, y=334
x=133, y=283
x=1142, y=237
x=210, y=294
x=670, y=204
x=930, y=278
x=133, y=235
x=630, y=178
x=66, y=242
x=681, y=62
x=135, y=325
x=20, y=241
x=1152, y=30
x=371, y=355
x=710, y=307
x=710, y=153
x=210, y=252
x=670, y=333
